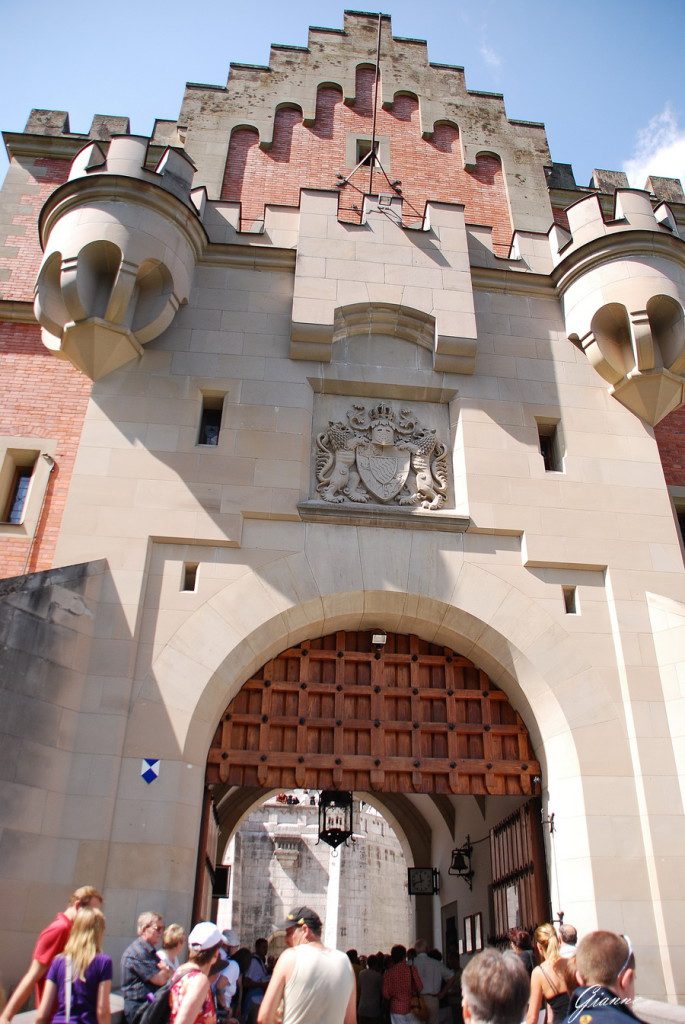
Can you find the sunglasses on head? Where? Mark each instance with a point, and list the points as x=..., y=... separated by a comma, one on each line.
x=626, y=939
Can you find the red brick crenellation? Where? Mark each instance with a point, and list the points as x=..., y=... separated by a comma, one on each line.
x=561, y=217
x=311, y=157
x=44, y=397
x=670, y=438
x=43, y=175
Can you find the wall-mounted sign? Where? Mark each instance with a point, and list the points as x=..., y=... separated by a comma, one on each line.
x=149, y=769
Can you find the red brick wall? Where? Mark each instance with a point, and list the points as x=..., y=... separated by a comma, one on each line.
x=45, y=397
x=310, y=157
x=670, y=437
x=42, y=177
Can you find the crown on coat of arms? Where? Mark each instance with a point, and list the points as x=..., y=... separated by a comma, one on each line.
x=382, y=413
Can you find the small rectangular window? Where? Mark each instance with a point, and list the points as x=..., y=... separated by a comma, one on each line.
x=570, y=600
x=210, y=419
x=549, y=443
x=366, y=151
x=222, y=881
x=681, y=523
x=190, y=575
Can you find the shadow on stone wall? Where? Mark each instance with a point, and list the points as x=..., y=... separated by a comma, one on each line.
x=59, y=751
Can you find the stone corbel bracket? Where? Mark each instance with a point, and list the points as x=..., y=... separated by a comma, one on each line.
x=120, y=248
x=379, y=277
x=622, y=287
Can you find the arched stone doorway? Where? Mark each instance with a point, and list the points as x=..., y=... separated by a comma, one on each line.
x=405, y=717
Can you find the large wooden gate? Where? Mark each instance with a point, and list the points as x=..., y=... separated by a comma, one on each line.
x=339, y=713
x=518, y=894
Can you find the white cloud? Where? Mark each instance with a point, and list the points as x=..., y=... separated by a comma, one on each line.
x=490, y=56
x=659, y=150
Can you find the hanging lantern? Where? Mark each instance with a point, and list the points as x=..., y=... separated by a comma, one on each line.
x=335, y=817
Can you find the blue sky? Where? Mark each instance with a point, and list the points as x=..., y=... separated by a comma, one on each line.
x=606, y=76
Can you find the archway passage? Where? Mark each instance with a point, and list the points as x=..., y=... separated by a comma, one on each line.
x=410, y=716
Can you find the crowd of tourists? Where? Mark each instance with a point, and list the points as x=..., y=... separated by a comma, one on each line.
x=546, y=978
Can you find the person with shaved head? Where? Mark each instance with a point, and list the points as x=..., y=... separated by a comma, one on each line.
x=605, y=972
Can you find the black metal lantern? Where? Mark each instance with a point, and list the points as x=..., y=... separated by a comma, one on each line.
x=335, y=817
x=461, y=862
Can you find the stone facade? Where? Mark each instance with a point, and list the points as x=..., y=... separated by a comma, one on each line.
x=216, y=272
x=278, y=863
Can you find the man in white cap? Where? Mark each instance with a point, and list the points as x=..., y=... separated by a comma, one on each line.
x=316, y=984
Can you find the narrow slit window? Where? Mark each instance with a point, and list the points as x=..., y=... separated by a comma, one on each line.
x=15, y=485
x=190, y=575
x=549, y=443
x=570, y=600
x=210, y=420
x=18, y=494
x=680, y=512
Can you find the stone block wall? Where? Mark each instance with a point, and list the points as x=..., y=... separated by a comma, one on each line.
x=57, y=773
x=376, y=911
x=278, y=864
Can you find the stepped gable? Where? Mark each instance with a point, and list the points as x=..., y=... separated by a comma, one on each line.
x=419, y=101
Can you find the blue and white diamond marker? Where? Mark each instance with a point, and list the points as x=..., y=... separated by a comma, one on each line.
x=149, y=770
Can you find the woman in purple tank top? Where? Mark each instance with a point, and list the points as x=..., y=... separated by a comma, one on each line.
x=79, y=981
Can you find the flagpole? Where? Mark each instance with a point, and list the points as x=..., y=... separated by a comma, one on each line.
x=375, y=104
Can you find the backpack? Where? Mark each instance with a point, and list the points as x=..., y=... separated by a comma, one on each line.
x=158, y=1009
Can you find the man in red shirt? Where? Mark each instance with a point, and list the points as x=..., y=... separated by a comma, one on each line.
x=49, y=944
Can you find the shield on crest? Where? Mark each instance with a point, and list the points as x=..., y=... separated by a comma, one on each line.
x=383, y=469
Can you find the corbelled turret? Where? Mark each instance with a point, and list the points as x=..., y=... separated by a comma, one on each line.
x=622, y=287
x=120, y=244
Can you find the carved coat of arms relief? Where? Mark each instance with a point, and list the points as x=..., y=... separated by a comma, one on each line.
x=379, y=455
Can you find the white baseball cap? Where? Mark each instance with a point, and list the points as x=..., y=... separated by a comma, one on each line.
x=230, y=938
x=204, y=935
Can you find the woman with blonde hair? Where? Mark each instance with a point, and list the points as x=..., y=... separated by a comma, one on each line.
x=79, y=981
x=172, y=944
x=548, y=980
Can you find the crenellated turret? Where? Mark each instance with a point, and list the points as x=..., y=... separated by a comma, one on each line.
x=120, y=246
x=622, y=287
